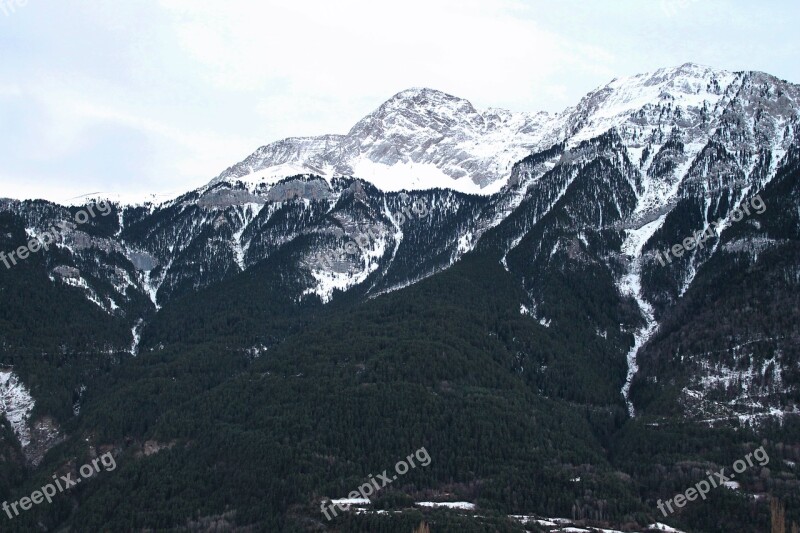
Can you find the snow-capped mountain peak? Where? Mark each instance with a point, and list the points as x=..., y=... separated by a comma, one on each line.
x=628, y=100
x=419, y=139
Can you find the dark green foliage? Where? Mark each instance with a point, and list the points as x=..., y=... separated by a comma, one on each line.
x=248, y=406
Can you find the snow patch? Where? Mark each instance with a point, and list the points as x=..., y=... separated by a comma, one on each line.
x=327, y=281
x=136, y=333
x=16, y=404
x=249, y=212
x=347, y=502
x=658, y=526
x=465, y=506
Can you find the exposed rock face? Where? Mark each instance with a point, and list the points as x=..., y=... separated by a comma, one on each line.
x=16, y=405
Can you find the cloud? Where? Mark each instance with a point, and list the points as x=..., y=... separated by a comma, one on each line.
x=356, y=47
x=158, y=95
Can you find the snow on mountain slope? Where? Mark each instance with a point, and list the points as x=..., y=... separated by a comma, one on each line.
x=423, y=138
x=648, y=100
x=418, y=139
x=631, y=285
x=668, y=122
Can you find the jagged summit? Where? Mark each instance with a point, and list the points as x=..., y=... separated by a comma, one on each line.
x=419, y=139
x=429, y=106
x=420, y=93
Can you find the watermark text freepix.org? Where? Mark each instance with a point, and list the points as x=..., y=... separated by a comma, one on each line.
x=47, y=238
x=9, y=7
x=700, y=237
x=62, y=483
x=372, y=233
x=715, y=479
x=671, y=7
x=372, y=486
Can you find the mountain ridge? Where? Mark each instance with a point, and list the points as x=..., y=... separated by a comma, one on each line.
x=435, y=117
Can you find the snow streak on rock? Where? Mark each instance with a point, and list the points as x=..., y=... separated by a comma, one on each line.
x=248, y=213
x=136, y=333
x=16, y=405
x=631, y=285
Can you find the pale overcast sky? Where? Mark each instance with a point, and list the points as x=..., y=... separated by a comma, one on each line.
x=150, y=96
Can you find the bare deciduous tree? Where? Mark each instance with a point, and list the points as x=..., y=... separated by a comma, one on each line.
x=778, y=513
x=422, y=528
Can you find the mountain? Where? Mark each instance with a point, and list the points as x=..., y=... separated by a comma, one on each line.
x=576, y=313
x=431, y=139
x=420, y=138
